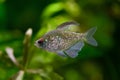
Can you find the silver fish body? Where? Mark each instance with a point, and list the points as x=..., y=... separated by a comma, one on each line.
x=65, y=42
x=61, y=40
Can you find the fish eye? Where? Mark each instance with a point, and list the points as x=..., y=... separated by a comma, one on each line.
x=40, y=41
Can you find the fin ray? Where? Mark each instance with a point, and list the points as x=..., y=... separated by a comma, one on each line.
x=73, y=51
x=67, y=25
x=89, y=36
x=61, y=53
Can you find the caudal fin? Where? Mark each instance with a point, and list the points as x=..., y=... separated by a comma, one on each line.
x=89, y=36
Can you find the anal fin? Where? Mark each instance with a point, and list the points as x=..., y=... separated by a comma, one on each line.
x=73, y=50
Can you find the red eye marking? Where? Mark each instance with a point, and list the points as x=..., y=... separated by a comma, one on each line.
x=40, y=40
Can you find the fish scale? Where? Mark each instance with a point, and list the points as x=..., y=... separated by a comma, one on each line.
x=61, y=40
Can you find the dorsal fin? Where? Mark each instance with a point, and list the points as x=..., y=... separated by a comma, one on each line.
x=67, y=25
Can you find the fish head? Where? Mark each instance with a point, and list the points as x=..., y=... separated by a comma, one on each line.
x=40, y=43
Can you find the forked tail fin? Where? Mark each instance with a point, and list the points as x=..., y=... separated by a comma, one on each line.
x=89, y=36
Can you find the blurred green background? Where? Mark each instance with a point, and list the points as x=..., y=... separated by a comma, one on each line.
x=93, y=63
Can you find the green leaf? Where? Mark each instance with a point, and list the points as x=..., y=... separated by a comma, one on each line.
x=51, y=9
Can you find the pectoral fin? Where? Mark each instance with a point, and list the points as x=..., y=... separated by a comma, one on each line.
x=73, y=51
x=61, y=53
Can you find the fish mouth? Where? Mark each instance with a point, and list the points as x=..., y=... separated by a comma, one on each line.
x=36, y=44
x=39, y=45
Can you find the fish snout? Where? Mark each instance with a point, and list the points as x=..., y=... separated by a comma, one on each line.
x=39, y=43
x=36, y=43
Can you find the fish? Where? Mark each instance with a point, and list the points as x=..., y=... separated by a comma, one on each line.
x=66, y=42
